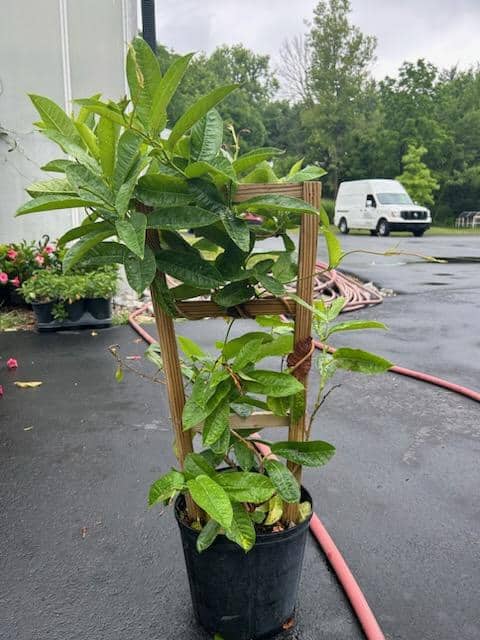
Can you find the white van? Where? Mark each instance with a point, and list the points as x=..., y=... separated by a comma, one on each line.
x=380, y=206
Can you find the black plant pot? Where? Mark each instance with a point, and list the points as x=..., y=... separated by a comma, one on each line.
x=81, y=314
x=244, y=596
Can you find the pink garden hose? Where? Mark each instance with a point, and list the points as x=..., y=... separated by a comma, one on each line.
x=332, y=284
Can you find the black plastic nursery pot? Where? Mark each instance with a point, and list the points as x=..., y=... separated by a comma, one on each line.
x=245, y=596
x=81, y=314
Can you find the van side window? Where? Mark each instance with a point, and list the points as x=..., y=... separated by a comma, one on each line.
x=371, y=201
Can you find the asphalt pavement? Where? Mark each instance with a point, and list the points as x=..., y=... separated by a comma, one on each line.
x=82, y=557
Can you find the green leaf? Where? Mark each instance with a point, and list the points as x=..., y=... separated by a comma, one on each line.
x=220, y=169
x=280, y=346
x=131, y=232
x=207, y=536
x=207, y=136
x=355, y=325
x=49, y=187
x=165, y=91
x=190, y=348
x=76, y=252
x=335, y=253
x=166, y=487
x=197, y=111
x=161, y=190
x=188, y=268
x=275, y=511
x=232, y=347
x=50, y=203
x=163, y=295
x=72, y=149
x=104, y=253
x=234, y=294
x=216, y=424
x=304, y=510
x=276, y=202
x=88, y=138
x=119, y=373
x=249, y=160
x=297, y=406
x=140, y=273
x=271, y=284
x=127, y=152
x=212, y=498
x=144, y=73
x=284, y=269
x=311, y=172
x=89, y=184
x=279, y=406
x=83, y=230
x=295, y=168
x=241, y=531
x=222, y=445
x=237, y=229
x=248, y=353
x=107, y=142
x=274, y=383
x=314, y=453
x=262, y=173
x=56, y=166
x=182, y=217
x=196, y=465
x=245, y=486
x=56, y=118
x=244, y=455
x=125, y=193
x=283, y=479
x=195, y=409
x=361, y=361
x=273, y=321
x=109, y=111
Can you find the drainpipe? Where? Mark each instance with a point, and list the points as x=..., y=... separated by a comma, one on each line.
x=148, y=23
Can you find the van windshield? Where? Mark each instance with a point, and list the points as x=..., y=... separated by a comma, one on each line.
x=394, y=198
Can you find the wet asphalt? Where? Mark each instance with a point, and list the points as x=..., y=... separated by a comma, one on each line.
x=81, y=557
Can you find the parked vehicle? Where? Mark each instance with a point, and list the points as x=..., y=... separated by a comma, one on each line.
x=381, y=206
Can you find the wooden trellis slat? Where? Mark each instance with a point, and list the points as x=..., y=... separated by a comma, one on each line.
x=310, y=192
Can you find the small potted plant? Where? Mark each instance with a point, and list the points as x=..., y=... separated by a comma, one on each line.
x=75, y=300
x=243, y=514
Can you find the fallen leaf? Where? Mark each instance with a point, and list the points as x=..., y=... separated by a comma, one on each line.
x=27, y=428
x=28, y=385
x=288, y=624
x=83, y=532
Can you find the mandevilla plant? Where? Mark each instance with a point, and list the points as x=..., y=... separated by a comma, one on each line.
x=142, y=186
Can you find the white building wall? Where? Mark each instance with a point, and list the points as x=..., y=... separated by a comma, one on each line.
x=62, y=49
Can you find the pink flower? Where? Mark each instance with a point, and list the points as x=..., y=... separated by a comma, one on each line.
x=12, y=254
x=3, y=277
x=1, y=390
x=49, y=248
x=39, y=259
x=15, y=281
x=12, y=363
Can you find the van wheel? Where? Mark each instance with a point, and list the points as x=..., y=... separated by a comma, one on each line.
x=418, y=233
x=343, y=226
x=383, y=228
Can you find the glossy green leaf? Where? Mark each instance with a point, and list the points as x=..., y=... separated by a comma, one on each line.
x=81, y=248
x=222, y=445
x=272, y=285
x=247, y=161
x=220, y=169
x=140, y=273
x=195, y=465
x=161, y=190
x=51, y=187
x=56, y=118
x=165, y=90
x=361, y=361
x=50, y=203
x=104, y=253
x=247, y=354
x=107, y=142
x=165, y=487
x=295, y=168
x=207, y=536
x=197, y=111
x=245, y=486
x=131, y=232
x=127, y=152
x=273, y=383
x=56, y=166
x=215, y=424
x=190, y=269
x=212, y=498
x=207, y=136
x=284, y=269
x=314, y=453
x=232, y=347
x=275, y=511
x=195, y=409
x=234, y=294
x=276, y=202
x=356, y=325
x=89, y=184
x=311, y=172
x=88, y=138
x=72, y=149
x=304, y=510
x=244, y=455
x=237, y=229
x=145, y=79
x=262, y=173
x=281, y=345
x=190, y=348
x=297, y=406
x=334, y=247
x=242, y=530
x=182, y=217
x=283, y=479
x=279, y=406
x=84, y=229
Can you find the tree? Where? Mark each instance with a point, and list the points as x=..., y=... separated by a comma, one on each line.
x=339, y=75
x=296, y=59
x=416, y=177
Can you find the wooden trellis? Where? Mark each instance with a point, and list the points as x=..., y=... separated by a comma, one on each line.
x=195, y=310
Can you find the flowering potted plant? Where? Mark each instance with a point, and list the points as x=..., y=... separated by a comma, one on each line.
x=19, y=261
x=142, y=187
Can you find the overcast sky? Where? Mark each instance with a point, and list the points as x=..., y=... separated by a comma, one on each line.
x=443, y=31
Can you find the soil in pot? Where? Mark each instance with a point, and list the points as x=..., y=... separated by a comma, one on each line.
x=244, y=596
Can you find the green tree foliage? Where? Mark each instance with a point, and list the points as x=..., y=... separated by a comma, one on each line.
x=417, y=177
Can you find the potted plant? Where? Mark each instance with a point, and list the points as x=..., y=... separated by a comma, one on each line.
x=19, y=261
x=78, y=299
x=243, y=515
